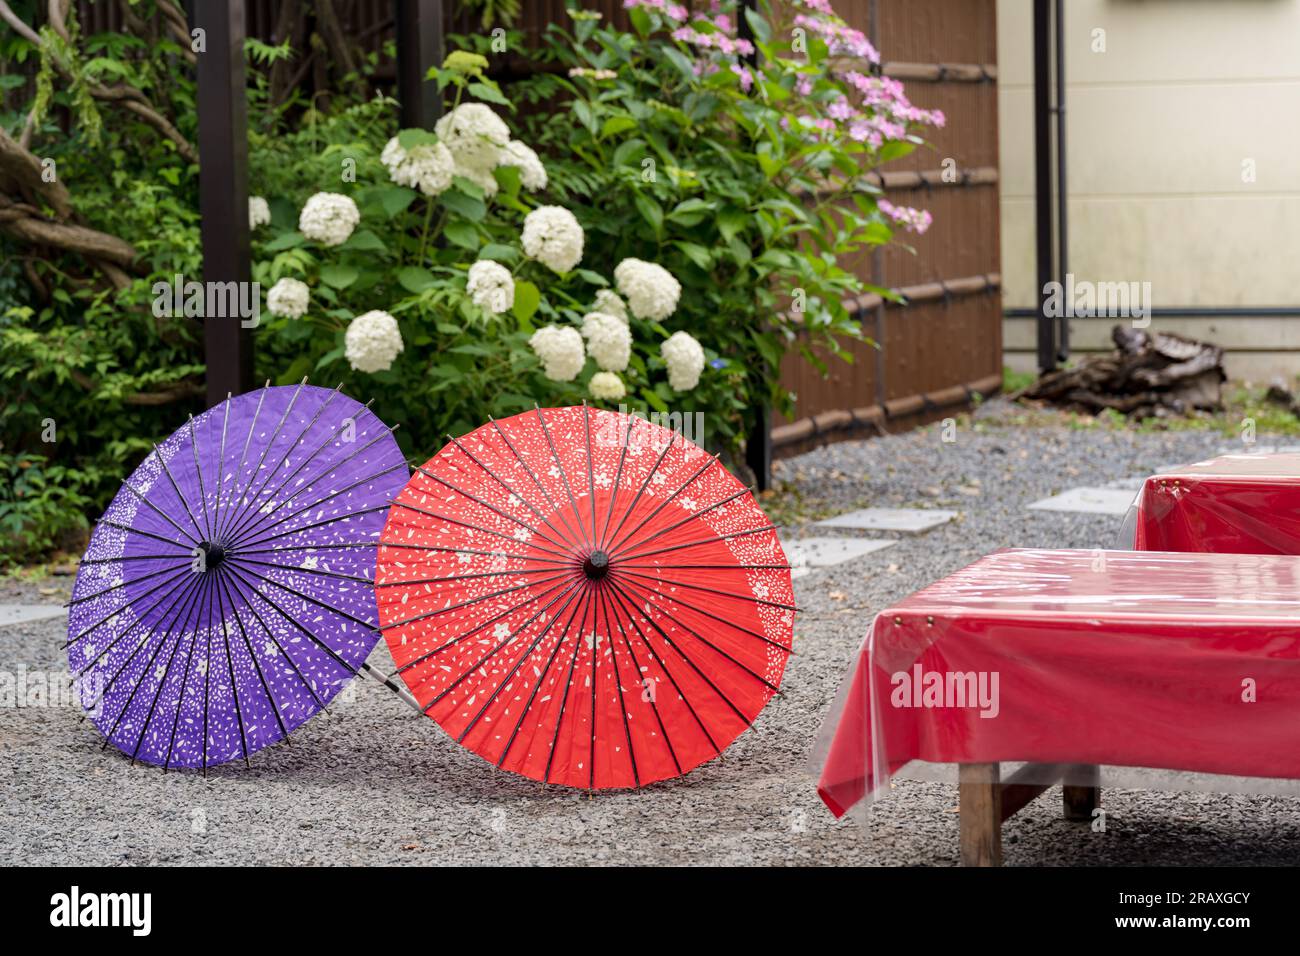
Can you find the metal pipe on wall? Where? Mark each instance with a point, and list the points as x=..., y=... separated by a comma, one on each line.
x=1047, y=330
x=1062, y=194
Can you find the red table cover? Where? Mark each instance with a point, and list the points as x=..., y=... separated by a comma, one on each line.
x=1137, y=659
x=1242, y=504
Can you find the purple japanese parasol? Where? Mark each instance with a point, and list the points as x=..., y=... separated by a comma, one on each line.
x=226, y=595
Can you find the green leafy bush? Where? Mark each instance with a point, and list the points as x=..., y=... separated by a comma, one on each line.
x=688, y=216
x=740, y=166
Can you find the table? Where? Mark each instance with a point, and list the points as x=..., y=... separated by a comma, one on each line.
x=1243, y=504
x=1067, y=661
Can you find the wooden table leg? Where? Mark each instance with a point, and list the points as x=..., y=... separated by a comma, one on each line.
x=980, y=801
x=1083, y=796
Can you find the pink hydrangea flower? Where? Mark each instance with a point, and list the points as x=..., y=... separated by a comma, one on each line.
x=913, y=220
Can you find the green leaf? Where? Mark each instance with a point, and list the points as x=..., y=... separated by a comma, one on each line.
x=653, y=400
x=895, y=150
x=329, y=358
x=297, y=370
x=339, y=276
x=409, y=139
x=288, y=240
x=650, y=211
x=617, y=124
x=464, y=206
x=510, y=179
x=488, y=93
x=680, y=60
x=414, y=279
x=364, y=241
x=640, y=20
x=696, y=253
x=462, y=234
x=527, y=298
x=394, y=199
x=731, y=221
x=585, y=115
x=762, y=32
x=690, y=212
x=595, y=278
x=499, y=252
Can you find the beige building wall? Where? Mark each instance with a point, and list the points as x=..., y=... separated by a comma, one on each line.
x=1171, y=106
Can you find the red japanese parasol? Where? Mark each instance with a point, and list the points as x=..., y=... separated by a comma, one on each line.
x=584, y=597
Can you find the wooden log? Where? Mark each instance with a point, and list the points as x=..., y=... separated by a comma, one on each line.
x=1082, y=797
x=980, y=807
x=1148, y=374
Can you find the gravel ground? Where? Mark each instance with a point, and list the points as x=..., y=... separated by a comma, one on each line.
x=374, y=783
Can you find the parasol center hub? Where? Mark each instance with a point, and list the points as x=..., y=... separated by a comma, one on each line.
x=213, y=554
x=596, y=566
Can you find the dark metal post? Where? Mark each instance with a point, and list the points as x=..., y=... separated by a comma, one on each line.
x=419, y=46
x=223, y=187
x=1043, y=179
x=1062, y=196
x=1048, y=328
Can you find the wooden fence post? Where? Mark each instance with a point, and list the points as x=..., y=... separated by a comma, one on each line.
x=419, y=46
x=223, y=187
x=758, y=443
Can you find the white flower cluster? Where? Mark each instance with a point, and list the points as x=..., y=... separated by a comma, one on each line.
x=474, y=134
x=491, y=287
x=478, y=141
x=428, y=167
x=288, y=298
x=609, y=340
x=372, y=342
x=651, y=290
x=685, y=360
x=329, y=218
x=553, y=237
x=592, y=74
x=560, y=349
x=608, y=302
x=532, y=174
x=259, y=213
x=606, y=386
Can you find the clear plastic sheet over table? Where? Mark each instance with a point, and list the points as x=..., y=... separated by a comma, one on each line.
x=1233, y=504
x=1165, y=670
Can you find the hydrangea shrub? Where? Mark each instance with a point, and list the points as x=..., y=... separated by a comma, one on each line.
x=657, y=236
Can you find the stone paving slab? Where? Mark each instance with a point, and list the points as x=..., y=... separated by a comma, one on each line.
x=1096, y=501
x=22, y=613
x=808, y=553
x=900, y=520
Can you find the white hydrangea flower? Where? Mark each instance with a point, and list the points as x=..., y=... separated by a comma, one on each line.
x=553, y=237
x=288, y=298
x=531, y=171
x=592, y=74
x=428, y=167
x=482, y=178
x=474, y=134
x=372, y=342
x=608, y=301
x=606, y=386
x=259, y=213
x=651, y=290
x=491, y=287
x=685, y=360
x=560, y=349
x=329, y=218
x=609, y=340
